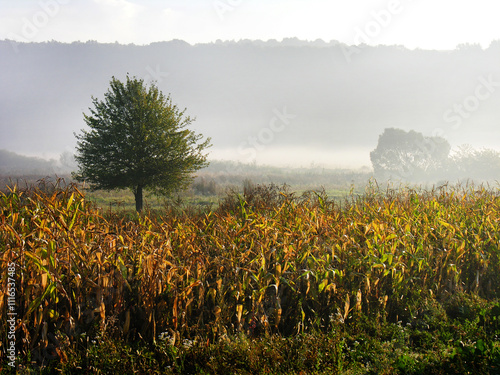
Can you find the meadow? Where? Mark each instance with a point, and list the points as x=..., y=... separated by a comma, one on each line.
x=264, y=280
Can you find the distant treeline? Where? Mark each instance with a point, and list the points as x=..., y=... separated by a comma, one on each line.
x=342, y=97
x=14, y=164
x=413, y=157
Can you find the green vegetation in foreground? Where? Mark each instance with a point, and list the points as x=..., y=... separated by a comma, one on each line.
x=393, y=282
x=454, y=338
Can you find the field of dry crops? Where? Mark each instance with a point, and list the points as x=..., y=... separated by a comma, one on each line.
x=266, y=262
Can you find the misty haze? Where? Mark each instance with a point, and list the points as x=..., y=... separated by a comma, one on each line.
x=289, y=103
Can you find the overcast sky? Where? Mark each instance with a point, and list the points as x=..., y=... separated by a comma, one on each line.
x=426, y=24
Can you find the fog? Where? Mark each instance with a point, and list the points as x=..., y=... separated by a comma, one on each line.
x=290, y=103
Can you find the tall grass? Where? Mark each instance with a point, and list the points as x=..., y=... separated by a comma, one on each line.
x=264, y=262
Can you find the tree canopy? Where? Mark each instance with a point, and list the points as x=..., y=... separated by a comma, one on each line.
x=138, y=139
x=409, y=155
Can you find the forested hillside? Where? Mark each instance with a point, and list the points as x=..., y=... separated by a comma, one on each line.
x=322, y=97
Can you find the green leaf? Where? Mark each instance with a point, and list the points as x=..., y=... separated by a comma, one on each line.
x=322, y=285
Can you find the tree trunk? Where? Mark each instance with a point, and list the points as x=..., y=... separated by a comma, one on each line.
x=138, y=198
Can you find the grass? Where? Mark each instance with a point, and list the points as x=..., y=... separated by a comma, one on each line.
x=213, y=183
x=268, y=281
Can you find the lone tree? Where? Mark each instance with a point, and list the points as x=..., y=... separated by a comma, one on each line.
x=138, y=140
x=409, y=155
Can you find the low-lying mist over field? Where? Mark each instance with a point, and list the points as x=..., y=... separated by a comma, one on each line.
x=290, y=103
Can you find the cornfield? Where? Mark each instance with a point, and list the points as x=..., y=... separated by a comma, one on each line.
x=265, y=262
